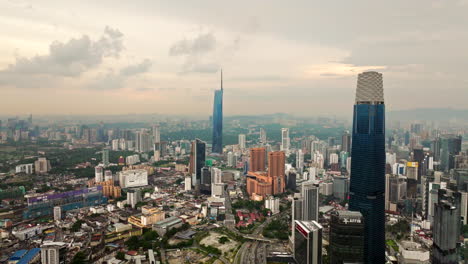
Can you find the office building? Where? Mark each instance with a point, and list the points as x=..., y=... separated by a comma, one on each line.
x=308, y=242
x=395, y=191
x=450, y=146
x=310, y=197
x=341, y=187
x=285, y=141
x=205, y=184
x=346, y=237
x=257, y=159
x=197, y=160
x=367, y=185
x=346, y=142
x=447, y=226
x=218, y=119
x=133, y=178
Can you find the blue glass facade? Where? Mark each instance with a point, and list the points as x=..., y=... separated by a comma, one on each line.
x=218, y=121
x=367, y=186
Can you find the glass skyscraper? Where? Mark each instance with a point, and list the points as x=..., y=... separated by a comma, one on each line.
x=218, y=120
x=367, y=186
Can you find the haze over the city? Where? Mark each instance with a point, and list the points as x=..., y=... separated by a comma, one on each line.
x=301, y=57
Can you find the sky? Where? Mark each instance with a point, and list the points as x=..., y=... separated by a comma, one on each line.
x=298, y=57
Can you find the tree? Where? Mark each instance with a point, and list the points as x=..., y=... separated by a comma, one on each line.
x=79, y=258
x=120, y=255
x=223, y=240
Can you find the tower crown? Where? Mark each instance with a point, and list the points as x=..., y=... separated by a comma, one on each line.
x=369, y=88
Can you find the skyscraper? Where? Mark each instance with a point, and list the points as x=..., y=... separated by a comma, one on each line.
x=308, y=242
x=310, y=196
x=367, y=186
x=257, y=159
x=447, y=226
x=197, y=160
x=218, y=119
x=346, y=141
x=449, y=147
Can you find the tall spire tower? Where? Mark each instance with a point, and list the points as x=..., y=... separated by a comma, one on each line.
x=367, y=186
x=218, y=119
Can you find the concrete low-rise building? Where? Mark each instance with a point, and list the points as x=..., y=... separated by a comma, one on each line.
x=167, y=224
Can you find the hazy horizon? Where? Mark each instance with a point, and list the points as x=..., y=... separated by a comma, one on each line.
x=146, y=57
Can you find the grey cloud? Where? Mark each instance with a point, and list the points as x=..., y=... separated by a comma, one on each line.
x=203, y=43
x=142, y=67
x=70, y=58
x=113, y=81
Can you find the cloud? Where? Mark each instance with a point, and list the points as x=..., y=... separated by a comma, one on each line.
x=198, y=53
x=142, y=67
x=65, y=59
x=112, y=80
x=203, y=43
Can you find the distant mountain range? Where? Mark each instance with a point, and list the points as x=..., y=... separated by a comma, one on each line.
x=429, y=114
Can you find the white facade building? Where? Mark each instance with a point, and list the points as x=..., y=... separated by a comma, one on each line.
x=133, y=178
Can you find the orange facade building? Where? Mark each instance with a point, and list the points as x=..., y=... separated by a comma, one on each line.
x=273, y=182
x=257, y=159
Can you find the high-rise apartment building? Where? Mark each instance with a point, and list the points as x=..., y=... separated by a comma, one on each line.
x=218, y=120
x=156, y=134
x=285, y=140
x=42, y=165
x=257, y=159
x=300, y=161
x=197, y=160
x=263, y=136
x=367, y=185
x=276, y=170
x=242, y=141
x=105, y=157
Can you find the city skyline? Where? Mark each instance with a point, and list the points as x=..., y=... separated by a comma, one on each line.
x=72, y=55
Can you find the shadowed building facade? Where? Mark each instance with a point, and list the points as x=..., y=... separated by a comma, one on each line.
x=367, y=185
x=218, y=120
